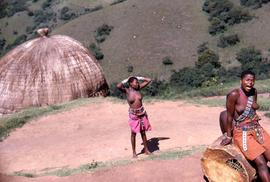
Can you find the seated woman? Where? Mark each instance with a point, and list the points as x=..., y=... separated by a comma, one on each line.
x=241, y=121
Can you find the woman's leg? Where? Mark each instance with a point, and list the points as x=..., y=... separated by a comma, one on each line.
x=133, y=144
x=262, y=168
x=144, y=139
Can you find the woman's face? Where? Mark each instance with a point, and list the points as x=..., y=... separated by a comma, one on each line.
x=135, y=84
x=248, y=82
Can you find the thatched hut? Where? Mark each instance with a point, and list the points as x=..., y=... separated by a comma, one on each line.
x=48, y=70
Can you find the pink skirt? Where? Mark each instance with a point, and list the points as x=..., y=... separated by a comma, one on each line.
x=139, y=123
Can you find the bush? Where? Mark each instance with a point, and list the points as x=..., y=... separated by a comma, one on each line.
x=208, y=57
x=96, y=51
x=202, y=47
x=117, y=2
x=186, y=78
x=115, y=92
x=207, y=71
x=156, y=88
x=167, y=61
x=43, y=17
x=65, y=14
x=130, y=68
x=223, y=13
x=250, y=58
x=216, y=26
x=46, y=4
x=30, y=13
x=102, y=32
x=9, y=8
x=2, y=43
x=253, y=3
x=229, y=40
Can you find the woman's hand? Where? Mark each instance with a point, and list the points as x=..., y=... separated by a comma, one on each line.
x=226, y=141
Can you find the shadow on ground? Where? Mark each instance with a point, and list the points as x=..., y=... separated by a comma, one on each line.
x=153, y=144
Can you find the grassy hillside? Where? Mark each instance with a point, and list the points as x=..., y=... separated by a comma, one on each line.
x=144, y=32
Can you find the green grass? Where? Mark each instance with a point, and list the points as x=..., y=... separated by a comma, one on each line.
x=16, y=120
x=95, y=166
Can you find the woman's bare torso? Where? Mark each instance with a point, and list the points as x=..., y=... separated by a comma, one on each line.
x=134, y=98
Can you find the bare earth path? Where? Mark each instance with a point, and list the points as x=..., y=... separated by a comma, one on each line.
x=99, y=131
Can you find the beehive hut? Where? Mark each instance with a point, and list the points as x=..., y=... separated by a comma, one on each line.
x=48, y=70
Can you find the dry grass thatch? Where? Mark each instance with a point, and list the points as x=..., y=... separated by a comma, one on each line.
x=48, y=70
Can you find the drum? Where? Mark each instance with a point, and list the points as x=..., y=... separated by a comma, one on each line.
x=226, y=164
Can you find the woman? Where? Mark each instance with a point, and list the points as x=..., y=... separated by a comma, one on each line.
x=138, y=119
x=248, y=135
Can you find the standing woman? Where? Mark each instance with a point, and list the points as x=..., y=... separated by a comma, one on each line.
x=248, y=135
x=138, y=119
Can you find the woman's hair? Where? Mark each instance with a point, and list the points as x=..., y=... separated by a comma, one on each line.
x=247, y=72
x=131, y=79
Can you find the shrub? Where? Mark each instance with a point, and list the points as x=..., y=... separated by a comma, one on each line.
x=250, y=58
x=253, y=3
x=130, y=68
x=156, y=88
x=65, y=14
x=216, y=26
x=229, y=40
x=2, y=43
x=96, y=51
x=117, y=2
x=167, y=61
x=98, y=7
x=30, y=13
x=115, y=92
x=46, y=4
x=9, y=8
x=29, y=29
x=223, y=13
x=43, y=17
x=102, y=32
x=20, y=39
x=208, y=56
x=186, y=78
x=202, y=47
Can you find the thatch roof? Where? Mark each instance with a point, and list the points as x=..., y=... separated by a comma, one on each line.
x=48, y=70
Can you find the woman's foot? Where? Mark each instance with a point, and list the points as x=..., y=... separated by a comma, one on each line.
x=134, y=155
x=147, y=152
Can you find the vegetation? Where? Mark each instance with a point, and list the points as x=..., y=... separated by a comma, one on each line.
x=94, y=165
x=167, y=61
x=117, y=2
x=223, y=13
x=96, y=51
x=65, y=14
x=130, y=68
x=251, y=59
x=9, y=8
x=253, y=3
x=20, y=39
x=10, y=122
x=229, y=40
x=103, y=32
x=46, y=4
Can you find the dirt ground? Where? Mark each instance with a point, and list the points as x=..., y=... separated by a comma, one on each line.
x=99, y=131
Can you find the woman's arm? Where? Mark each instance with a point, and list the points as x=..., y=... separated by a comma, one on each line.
x=145, y=82
x=121, y=86
x=255, y=106
x=230, y=106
